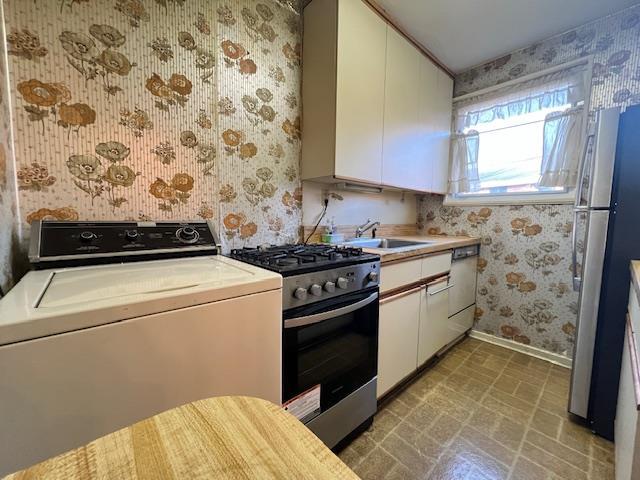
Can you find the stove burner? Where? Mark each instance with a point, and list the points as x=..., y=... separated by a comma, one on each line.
x=287, y=261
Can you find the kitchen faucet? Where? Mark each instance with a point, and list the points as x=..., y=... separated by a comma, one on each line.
x=366, y=226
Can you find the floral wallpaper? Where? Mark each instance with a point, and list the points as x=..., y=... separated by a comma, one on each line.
x=259, y=73
x=8, y=224
x=158, y=109
x=613, y=41
x=524, y=274
x=524, y=278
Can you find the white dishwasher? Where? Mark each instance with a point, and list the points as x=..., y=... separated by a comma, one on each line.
x=462, y=295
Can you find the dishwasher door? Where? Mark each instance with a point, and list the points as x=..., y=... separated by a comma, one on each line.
x=463, y=277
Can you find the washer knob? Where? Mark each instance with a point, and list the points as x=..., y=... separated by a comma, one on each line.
x=330, y=287
x=315, y=290
x=131, y=235
x=342, y=283
x=187, y=235
x=300, y=293
x=87, y=236
x=373, y=276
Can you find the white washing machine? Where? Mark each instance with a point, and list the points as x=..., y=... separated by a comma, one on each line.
x=87, y=350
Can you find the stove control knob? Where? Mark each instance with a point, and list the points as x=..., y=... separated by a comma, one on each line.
x=187, y=235
x=300, y=293
x=342, y=283
x=330, y=287
x=315, y=290
x=131, y=235
x=87, y=236
x=373, y=277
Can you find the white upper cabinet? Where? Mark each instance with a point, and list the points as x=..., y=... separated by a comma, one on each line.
x=402, y=162
x=435, y=101
x=428, y=104
x=343, y=76
x=440, y=151
x=360, y=92
x=374, y=107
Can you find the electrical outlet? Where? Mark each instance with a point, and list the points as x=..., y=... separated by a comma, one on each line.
x=326, y=195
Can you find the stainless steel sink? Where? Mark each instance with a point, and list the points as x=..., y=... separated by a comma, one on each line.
x=384, y=243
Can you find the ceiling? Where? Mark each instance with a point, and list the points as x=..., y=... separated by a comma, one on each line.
x=464, y=33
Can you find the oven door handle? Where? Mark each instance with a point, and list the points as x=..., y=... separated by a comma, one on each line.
x=319, y=317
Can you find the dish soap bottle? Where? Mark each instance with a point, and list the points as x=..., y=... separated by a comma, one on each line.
x=331, y=235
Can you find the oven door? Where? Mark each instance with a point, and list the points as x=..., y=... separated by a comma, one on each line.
x=333, y=344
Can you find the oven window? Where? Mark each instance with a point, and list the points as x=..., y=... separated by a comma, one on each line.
x=339, y=354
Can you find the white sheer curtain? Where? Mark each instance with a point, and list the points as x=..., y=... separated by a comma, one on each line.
x=565, y=87
x=477, y=115
x=463, y=174
x=563, y=141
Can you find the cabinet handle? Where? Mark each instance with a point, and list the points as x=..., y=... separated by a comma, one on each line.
x=399, y=295
x=442, y=289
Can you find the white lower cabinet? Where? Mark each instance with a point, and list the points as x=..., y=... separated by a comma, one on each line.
x=399, y=274
x=627, y=423
x=434, y=332
x=433, y=265
x=414, y=323
x=398, y=333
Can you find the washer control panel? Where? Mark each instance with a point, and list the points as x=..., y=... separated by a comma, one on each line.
x=65, y=243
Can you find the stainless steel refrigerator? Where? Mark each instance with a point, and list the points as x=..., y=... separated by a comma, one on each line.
x=590, y=222
x=605, y=239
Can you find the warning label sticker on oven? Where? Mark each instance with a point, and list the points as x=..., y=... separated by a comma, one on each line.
x=306, y=405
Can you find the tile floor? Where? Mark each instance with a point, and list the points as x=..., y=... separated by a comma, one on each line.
x=483, y=412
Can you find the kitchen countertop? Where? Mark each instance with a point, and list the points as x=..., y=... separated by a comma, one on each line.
x=222, y=438
x=635, y=276
x=440, y=244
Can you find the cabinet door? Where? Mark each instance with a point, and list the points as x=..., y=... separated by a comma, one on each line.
x=398, y=274
x=398, y=339
x=626, y=422
x=360, y=78
x=401, y=160
x=440, y=158
x=428, y=105
x=434, y=312
x=433, y=265
x=634, y=309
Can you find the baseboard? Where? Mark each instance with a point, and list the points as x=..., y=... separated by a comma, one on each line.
x=522, y=348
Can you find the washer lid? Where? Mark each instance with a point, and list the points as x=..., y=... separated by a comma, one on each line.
x=70, y=287
x=49, y=302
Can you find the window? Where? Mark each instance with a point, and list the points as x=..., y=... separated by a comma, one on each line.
x=510, y=153
x=523, y=138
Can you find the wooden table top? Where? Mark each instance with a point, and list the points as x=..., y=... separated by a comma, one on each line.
x=217, y=438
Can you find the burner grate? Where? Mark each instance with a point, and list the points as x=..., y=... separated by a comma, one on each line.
x=290, y=258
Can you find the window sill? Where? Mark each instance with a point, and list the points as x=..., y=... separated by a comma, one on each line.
x=513, y=199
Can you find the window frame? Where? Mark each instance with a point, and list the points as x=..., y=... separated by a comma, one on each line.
x=510, y=198
x=527, y=198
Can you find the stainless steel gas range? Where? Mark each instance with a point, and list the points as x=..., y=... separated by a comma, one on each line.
x=330, y=334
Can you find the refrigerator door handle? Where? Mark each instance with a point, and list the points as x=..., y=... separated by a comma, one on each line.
x=588, y=148
x=577, y=279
